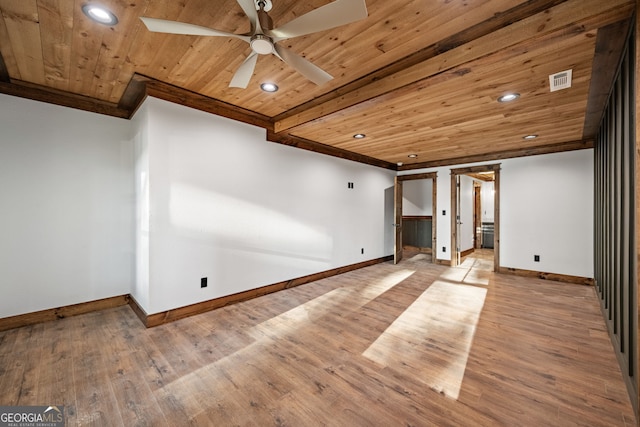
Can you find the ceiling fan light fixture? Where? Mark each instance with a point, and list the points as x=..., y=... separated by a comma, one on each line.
x=99, y=14
x=269, y=87
x=261, y=44
x=508, y=97
x=359, y=135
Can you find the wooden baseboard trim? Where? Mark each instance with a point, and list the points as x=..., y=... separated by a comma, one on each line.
x=138, y=310
x=446, y=262
x=467, y=252
x=168, y=316
x=61, y=312
x=418, y=249
x=587, y=281
x=150, y=320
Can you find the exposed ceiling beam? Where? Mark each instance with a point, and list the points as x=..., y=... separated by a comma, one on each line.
x=178, y=95
x=609, y=49
x=329, y=150
x=58, y=97
x=500, y=155
x=586, y=13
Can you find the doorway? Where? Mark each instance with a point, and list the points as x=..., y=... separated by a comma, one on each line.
x=485, y=234
x=420, y=220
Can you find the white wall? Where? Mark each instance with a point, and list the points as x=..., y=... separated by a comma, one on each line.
x=66, y=206
x=417, y=197
x=228, y=205
x=466, y=213
x=487, y=201
x=140, y=288
x=546, y=209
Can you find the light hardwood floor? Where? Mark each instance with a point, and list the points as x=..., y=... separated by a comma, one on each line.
x=412, y=344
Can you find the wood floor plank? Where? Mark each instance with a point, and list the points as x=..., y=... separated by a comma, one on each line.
x=409, y=344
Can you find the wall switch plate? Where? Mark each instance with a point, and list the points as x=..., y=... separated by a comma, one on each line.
x=203, y=282
x=349, y=184
x=536, y=258
x=362, y=251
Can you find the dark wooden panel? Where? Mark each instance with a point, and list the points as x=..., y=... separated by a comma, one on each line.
x=615, y=218
x=4, y=74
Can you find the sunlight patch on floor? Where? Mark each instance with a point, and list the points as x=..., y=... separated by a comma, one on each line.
x=289, y=322
x=438, y=327
x=351, y=298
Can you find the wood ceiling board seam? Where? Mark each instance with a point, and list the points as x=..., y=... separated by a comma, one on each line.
x=21, y=20
x=537, y=25
x=85, y=47
x=6, y=54
x=179, y=47
x=56, y=21
x=116, y=47
x=115, y=41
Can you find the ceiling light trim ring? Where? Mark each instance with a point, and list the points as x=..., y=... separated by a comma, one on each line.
x=100, y=14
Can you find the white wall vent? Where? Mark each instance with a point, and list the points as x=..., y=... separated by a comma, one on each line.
x=561, y=80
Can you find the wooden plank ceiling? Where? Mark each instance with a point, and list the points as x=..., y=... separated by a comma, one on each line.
x=416, y=76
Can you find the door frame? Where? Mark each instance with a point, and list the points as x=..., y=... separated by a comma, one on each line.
x=496, y=210
x=398, y=212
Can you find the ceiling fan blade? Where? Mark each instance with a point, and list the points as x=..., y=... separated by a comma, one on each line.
x=332, y=15
x=249, y=8
x=303, y=66
x=244, y=72
x=174, y=27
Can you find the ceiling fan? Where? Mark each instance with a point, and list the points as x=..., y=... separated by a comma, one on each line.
x=263, y=38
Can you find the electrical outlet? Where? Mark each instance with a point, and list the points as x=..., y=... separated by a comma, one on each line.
x=536, y=258
x=444, y=249
x=203, y=282
x=444, y=212
x=349, y=184
x=362, y=250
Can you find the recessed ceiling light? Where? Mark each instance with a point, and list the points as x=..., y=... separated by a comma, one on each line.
x=507, y=97
x=359, y=135
x=400, y=163
x=530, y=137
x=100, y=14
x=412, y=156
x=269, y=87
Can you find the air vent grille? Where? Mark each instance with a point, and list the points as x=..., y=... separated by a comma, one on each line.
x=561, y=80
